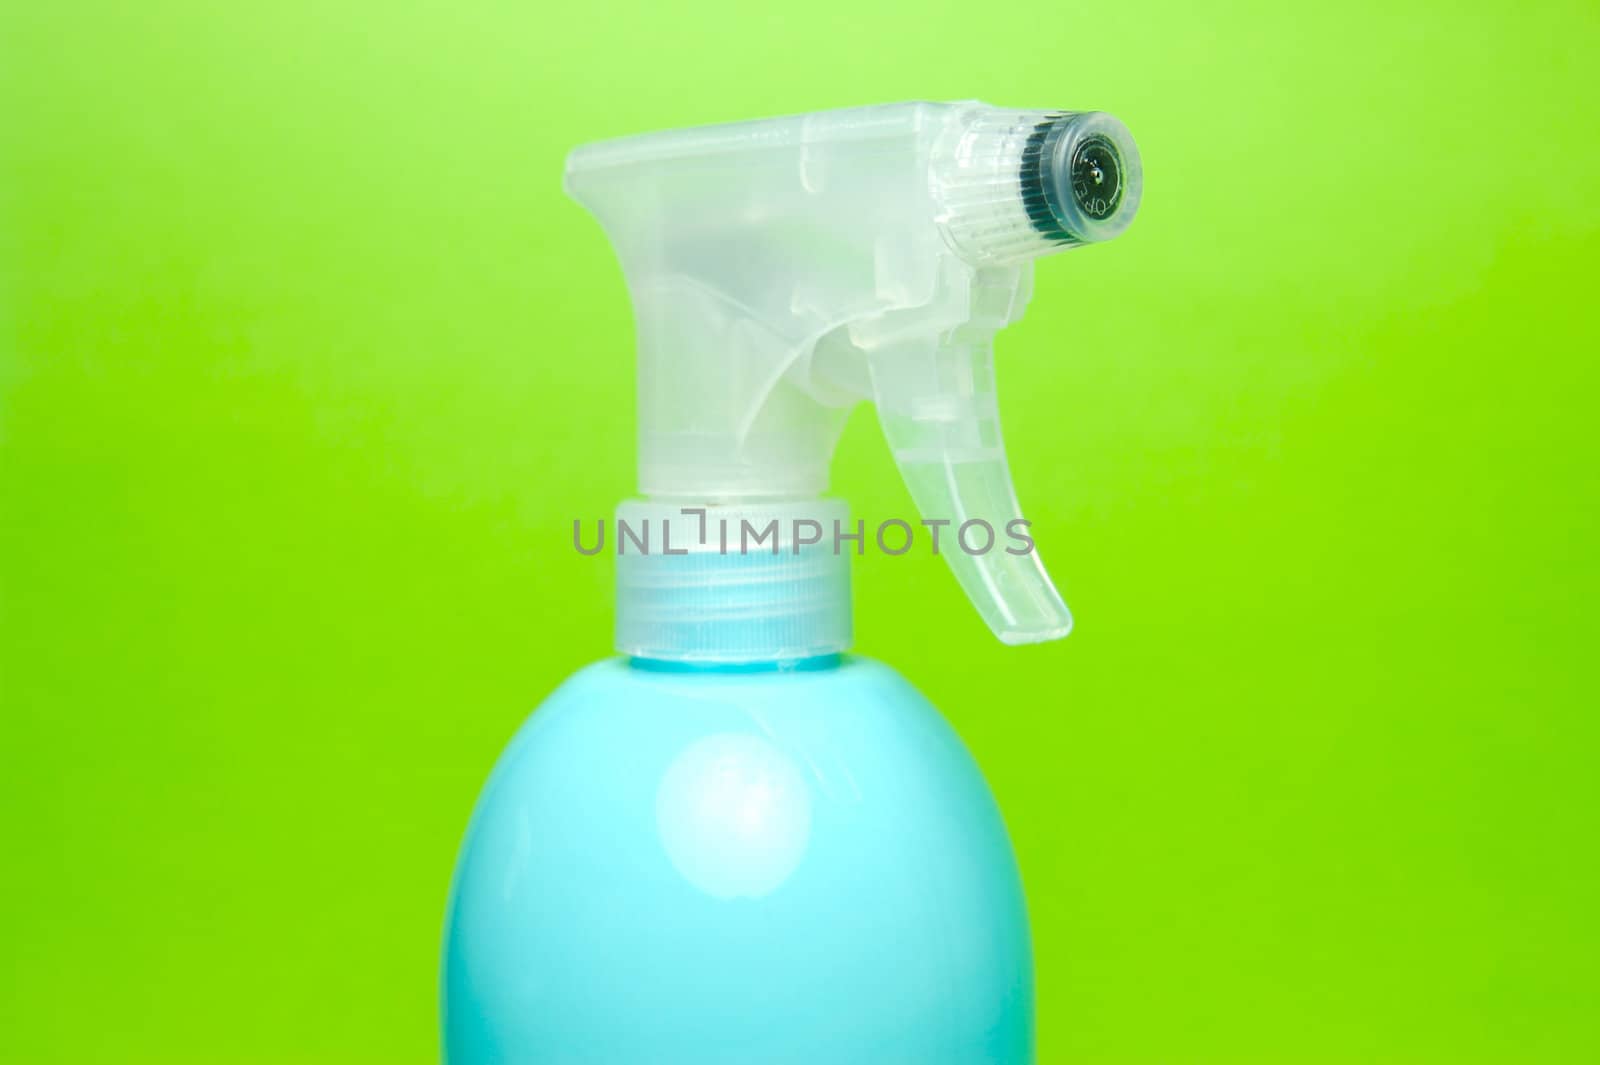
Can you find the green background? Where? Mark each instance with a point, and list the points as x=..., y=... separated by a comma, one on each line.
x=306, y=364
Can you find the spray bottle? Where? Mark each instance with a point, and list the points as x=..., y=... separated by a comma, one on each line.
x=736, y=843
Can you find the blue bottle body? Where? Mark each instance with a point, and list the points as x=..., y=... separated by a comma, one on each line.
x=737, y=866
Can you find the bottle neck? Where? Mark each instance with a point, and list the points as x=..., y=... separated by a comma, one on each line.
x=815, y=664
x=744, y=585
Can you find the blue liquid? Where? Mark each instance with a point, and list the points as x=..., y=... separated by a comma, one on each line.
x=753, y=867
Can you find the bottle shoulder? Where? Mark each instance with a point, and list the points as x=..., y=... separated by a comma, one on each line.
x=855, y=675
x=862, y=714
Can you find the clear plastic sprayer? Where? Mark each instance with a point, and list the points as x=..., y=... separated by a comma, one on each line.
x=784, y=270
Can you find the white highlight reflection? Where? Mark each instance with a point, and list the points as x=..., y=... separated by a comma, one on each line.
x=734, y=813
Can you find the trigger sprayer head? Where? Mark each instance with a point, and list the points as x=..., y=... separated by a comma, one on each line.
x=784, y=270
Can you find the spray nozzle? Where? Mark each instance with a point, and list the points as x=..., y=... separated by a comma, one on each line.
x=1095, y=174
x=782, y=271
x=1078, y=180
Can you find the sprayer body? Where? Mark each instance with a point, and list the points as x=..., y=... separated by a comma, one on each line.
x=696, y=866
x=782, y=271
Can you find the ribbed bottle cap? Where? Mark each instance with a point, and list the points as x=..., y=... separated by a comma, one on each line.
x=742, y=583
